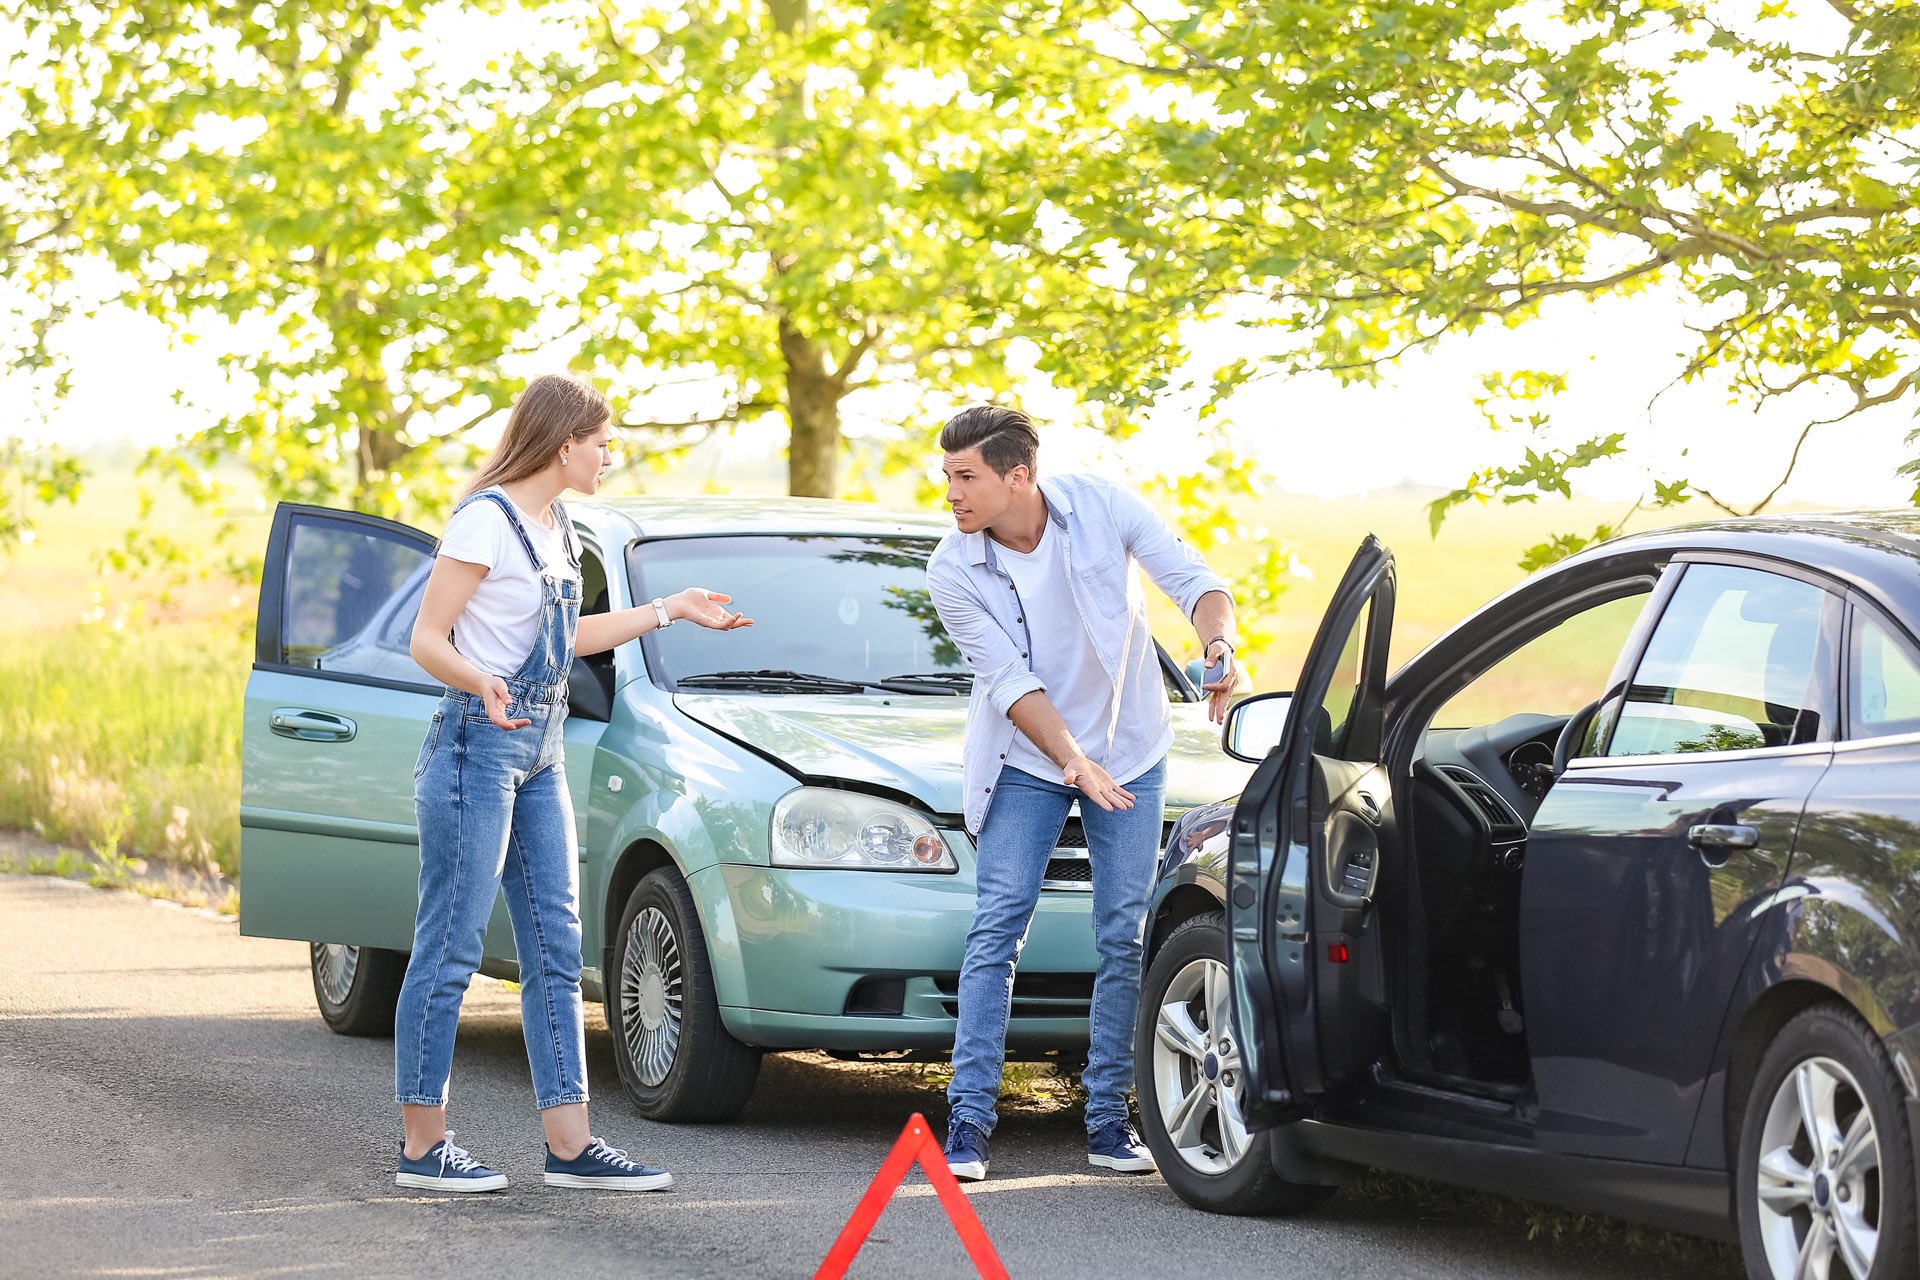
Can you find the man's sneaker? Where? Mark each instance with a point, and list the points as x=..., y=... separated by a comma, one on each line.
x=603, y=1166
x=1116, y=1146
x=446, y=1167
x=966, y=1151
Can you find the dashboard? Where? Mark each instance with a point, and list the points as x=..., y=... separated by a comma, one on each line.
x=1482, y=787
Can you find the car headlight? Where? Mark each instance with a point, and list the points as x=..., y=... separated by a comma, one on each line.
x=820, y=827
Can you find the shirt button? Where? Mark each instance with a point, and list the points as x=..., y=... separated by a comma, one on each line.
x=1003, y=755
x=1023, y=655
x=1019, y=619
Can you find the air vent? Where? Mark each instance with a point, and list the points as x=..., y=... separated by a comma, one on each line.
x=1482, y=797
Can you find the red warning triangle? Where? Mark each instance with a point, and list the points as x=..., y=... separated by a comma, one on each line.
x=916, y=1146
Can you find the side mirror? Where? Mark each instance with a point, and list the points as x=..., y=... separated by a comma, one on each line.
x=1255, y=726
x=587, y=695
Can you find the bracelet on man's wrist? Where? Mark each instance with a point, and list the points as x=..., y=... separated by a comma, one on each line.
x=1223, y=640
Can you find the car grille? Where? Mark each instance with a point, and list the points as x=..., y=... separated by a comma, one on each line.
x=1071, y=867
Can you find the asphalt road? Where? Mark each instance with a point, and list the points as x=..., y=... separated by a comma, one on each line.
x=172, y=1106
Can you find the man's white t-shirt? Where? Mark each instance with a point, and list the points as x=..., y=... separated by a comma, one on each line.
x=496, y=630
x=1063, y=655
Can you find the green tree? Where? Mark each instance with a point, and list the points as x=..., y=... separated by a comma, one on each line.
x=791, y=203
x=260, y=179
x=35, y=248
x=785, y=206
x=1360, y=180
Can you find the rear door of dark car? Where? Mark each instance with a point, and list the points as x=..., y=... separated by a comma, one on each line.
x=1655, y=854
x=1853, y=897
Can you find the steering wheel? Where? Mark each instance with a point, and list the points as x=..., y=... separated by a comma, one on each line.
x=1570, y=735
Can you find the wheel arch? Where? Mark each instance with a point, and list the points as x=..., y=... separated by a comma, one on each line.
x=1181, y=904
x=635, y=863
x=1763, y=1020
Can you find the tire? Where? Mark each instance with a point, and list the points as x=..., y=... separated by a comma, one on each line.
x=1214, y=1164
x=676, y=1060
x=356, y=987
x=1830, y=1060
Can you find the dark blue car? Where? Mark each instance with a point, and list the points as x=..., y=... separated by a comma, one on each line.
x=1655, y=955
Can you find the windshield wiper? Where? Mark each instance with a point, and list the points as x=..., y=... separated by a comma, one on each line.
x=773, y=679
x=949, y=679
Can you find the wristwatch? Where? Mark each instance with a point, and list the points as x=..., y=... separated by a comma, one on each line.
x=660, y=612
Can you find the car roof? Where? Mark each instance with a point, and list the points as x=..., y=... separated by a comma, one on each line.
x=1875, y=551
x=651, y=516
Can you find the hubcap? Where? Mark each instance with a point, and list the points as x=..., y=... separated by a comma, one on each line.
x=1819, y=1178
x=650, y=994
x=334, y=965
x=1194, y=1068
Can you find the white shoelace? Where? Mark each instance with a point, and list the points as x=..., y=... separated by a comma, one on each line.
x=452, y=1157
x=599, y=1150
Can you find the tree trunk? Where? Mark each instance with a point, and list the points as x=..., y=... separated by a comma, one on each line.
x=813, y=394
x=813, y=409
x=378, y=447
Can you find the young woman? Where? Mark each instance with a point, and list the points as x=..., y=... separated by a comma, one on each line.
x=499, y=626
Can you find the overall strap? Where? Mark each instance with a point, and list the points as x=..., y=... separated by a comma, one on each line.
x=565, y=526
x=513, y=518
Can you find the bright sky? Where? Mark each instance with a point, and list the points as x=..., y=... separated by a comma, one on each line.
x=1312, y=436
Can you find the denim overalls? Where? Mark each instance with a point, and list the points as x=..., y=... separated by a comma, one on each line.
x=494, y=813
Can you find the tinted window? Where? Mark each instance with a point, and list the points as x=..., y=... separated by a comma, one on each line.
x=1728, y=668
x=1883, y=691
x=853, y=608
x=352, y=593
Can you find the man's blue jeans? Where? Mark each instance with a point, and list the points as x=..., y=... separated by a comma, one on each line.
x=1019, y=835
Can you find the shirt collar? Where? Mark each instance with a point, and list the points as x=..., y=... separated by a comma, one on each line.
x=1059, y=507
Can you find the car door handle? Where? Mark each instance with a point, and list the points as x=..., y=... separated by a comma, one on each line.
x=311, y=726
x=1721, y=836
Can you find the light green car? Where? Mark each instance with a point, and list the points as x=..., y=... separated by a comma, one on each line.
x=771, y=854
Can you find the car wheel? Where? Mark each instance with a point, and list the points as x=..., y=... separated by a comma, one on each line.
x=676, y=1059
x=1825, y=1185
x=356, y=987
x=1189, y=1085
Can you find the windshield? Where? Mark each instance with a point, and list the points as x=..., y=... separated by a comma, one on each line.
x=846, y=607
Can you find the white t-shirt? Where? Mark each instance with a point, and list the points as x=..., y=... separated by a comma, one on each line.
x=1063, y=655
x=496, y=630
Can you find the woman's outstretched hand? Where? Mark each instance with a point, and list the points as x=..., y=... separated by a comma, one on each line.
x=708, y=608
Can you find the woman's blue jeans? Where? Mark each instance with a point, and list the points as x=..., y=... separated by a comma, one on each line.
x=1020, y=834
x=494, y=813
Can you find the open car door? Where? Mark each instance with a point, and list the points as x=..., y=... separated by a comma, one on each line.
x=1304, y=947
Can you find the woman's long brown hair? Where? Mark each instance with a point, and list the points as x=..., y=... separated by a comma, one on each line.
x=555, y=408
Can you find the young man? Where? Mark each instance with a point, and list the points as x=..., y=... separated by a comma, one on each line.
x=1037, y=588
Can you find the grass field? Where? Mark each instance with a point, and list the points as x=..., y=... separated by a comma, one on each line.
x=127, y=683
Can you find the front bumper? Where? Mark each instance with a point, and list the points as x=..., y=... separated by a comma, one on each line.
x=870, y=960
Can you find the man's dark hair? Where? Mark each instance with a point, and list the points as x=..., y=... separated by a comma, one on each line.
x=1006, y=438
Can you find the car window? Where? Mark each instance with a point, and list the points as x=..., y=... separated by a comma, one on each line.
x=1883, y=687
x=352, y=593
x=1729, y=666
x=1555, y=673
x=1336, y=709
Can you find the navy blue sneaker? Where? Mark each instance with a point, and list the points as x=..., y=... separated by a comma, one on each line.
x=446, y=1167
x=966, y=1151
x=603, y=1166
x=1115, y=1145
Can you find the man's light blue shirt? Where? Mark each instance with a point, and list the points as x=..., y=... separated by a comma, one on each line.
x=1106, y=531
